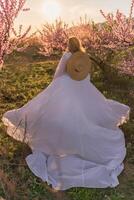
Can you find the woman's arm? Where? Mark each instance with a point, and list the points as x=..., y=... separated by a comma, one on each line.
x=62, y=65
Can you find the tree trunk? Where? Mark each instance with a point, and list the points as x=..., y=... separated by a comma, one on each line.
x=1, y=65
x=108, y=71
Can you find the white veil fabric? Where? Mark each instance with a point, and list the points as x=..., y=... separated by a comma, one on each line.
x=73, y=132
x=60, y=70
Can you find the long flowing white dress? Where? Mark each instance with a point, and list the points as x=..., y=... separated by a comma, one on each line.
x=73, y=132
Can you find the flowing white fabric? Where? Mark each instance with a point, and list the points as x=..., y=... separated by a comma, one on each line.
x=73, y=131
x=60, y=70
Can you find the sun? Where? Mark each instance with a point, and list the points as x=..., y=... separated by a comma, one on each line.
x=51, y=9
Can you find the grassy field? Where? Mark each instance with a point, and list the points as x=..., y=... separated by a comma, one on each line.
x=18, y=84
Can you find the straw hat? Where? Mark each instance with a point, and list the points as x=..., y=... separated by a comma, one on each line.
x=78, y=65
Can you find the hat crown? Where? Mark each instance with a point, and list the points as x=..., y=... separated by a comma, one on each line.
x=78, y=65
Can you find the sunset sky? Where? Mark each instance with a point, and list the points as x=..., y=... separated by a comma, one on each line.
x=68, y=10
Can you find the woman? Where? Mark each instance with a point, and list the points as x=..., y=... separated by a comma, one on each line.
x=72, y=130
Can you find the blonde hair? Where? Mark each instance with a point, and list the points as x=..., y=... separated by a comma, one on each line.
x=75, y=45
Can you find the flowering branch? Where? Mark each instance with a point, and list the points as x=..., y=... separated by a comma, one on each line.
x=9, y=10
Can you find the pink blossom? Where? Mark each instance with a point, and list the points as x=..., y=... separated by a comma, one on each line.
x=103, y=41
x=53, y=37
x=9, y=38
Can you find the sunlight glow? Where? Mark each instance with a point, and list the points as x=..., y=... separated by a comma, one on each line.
x=51, y=9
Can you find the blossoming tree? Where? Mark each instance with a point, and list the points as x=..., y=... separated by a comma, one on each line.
x=9, y=38
x=106, y=40
x=53, y=37
x=103, y=41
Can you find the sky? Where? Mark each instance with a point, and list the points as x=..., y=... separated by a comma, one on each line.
x=70, y=11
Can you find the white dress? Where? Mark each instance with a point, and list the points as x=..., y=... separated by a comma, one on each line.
x=73, y=132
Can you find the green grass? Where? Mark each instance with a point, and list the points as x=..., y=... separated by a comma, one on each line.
x=19, y=84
